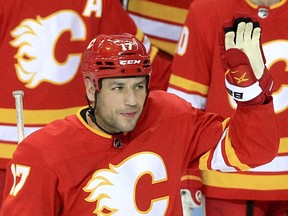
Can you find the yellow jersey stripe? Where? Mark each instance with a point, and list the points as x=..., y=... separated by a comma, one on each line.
x=278, y=4
x=283, y=147
x=164, y=45
x=231, y=155
x=139, y=34
x=203, y=162
x=36, y=116
x=188, y=84
x=158, y=11
x=243, y=181
x=7, y=150
x=190, y=177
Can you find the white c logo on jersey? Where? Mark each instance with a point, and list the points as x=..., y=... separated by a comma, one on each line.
x=36, y=41
x=113, y=189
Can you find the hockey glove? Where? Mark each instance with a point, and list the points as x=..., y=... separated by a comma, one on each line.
x=247, y=79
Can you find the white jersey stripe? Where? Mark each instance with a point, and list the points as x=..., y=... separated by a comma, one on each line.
x=157, y=28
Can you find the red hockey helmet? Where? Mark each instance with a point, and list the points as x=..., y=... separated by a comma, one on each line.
x=116, y=56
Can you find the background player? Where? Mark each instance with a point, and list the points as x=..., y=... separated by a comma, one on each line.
x=197, y=77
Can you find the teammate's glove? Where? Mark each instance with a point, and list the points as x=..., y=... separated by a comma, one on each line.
x=247, y=79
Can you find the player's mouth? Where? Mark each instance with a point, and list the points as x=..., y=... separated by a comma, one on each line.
x=129, y=114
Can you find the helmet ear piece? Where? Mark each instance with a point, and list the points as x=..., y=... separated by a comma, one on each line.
x=109, y=56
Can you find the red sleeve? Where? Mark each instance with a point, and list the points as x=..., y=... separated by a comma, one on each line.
x=245, y=130
x=249, y=139
x=15, y=196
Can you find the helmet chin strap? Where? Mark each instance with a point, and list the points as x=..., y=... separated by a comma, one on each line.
x=91, y=111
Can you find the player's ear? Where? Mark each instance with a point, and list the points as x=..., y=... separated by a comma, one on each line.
x=90, y=89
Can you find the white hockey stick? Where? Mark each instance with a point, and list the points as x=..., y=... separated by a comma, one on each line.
x=186, y=202
x=187, y=211
x=18, y=95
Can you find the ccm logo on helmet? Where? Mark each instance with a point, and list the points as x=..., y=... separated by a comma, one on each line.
x=129, y=62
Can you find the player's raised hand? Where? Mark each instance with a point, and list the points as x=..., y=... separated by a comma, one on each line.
x=247, y=79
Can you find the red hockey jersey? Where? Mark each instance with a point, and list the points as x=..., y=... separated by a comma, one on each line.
x=41, y=47
x=68, y=168
x=197, y=76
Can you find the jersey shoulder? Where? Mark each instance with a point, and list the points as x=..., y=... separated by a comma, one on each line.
x=53, y=140
x=162, y=105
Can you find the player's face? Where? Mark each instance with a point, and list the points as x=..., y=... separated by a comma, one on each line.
x=120, y=103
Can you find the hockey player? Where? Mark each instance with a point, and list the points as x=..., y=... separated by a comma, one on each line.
x=41, y=48
x=125, y=153
x=197, y=77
